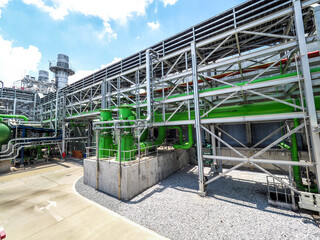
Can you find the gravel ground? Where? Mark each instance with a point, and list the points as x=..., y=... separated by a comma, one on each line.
x=236, y=208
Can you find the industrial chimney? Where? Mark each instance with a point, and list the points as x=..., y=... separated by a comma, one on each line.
x=61, y=70
x=43, y=76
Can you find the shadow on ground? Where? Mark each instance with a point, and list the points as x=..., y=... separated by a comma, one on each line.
x=235, y=207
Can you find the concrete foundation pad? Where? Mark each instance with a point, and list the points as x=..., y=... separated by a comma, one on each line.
x=135, y=176
x=5, y=166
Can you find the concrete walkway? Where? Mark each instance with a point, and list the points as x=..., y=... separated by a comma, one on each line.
x=41, y=204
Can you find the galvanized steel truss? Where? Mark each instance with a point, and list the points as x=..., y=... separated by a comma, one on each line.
x=242, y=44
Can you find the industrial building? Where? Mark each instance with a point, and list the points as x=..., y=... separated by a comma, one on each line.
x=240, y=90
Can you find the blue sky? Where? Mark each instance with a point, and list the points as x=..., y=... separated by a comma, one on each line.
x=92, y=33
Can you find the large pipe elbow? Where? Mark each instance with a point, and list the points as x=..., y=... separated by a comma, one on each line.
x=189, y=144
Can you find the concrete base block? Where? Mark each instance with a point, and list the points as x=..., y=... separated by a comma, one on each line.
x=5, y=166
x=202, y=194
x=135, y=177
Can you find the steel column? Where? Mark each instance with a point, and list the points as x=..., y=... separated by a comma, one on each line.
x=63, y=142
x=104, y=94
x=97, y=159
x=315, y=140
x=202, y=190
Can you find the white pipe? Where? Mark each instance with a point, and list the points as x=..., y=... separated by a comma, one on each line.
x=18, y=150
x=20, y=143
x=148, y=78
x=19, y=139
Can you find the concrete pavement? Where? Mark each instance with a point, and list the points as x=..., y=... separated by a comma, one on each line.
x=41, y=204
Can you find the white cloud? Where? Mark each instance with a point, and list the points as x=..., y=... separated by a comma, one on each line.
x=57, y=12
x=168, y=2
x=107, y=10
x=108, y=31
x=15, y=62
x=3, y=3
x=115, y=59
x=80, y=74
x=84, y=73
x=154, y=25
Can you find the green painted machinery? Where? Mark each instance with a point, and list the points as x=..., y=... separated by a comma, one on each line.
x=5, y=130
x=5, y=133
x=106, y=145
x=126, y=147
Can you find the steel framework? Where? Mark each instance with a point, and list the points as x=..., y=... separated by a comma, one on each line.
x=215, y=63
x=18, y=102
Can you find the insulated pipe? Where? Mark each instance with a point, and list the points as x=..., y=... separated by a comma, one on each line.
x=295, y=155
x=14, y=116
x=144, y=135
x=160, y=139
x=261, y=108
x=186, y=145
x=148, y=79
x=21, y=143
x=18, y=151
x=24, y=139
x=223, y=87
x=295, y=158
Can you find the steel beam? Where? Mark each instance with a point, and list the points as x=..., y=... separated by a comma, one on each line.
x=268, y=161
